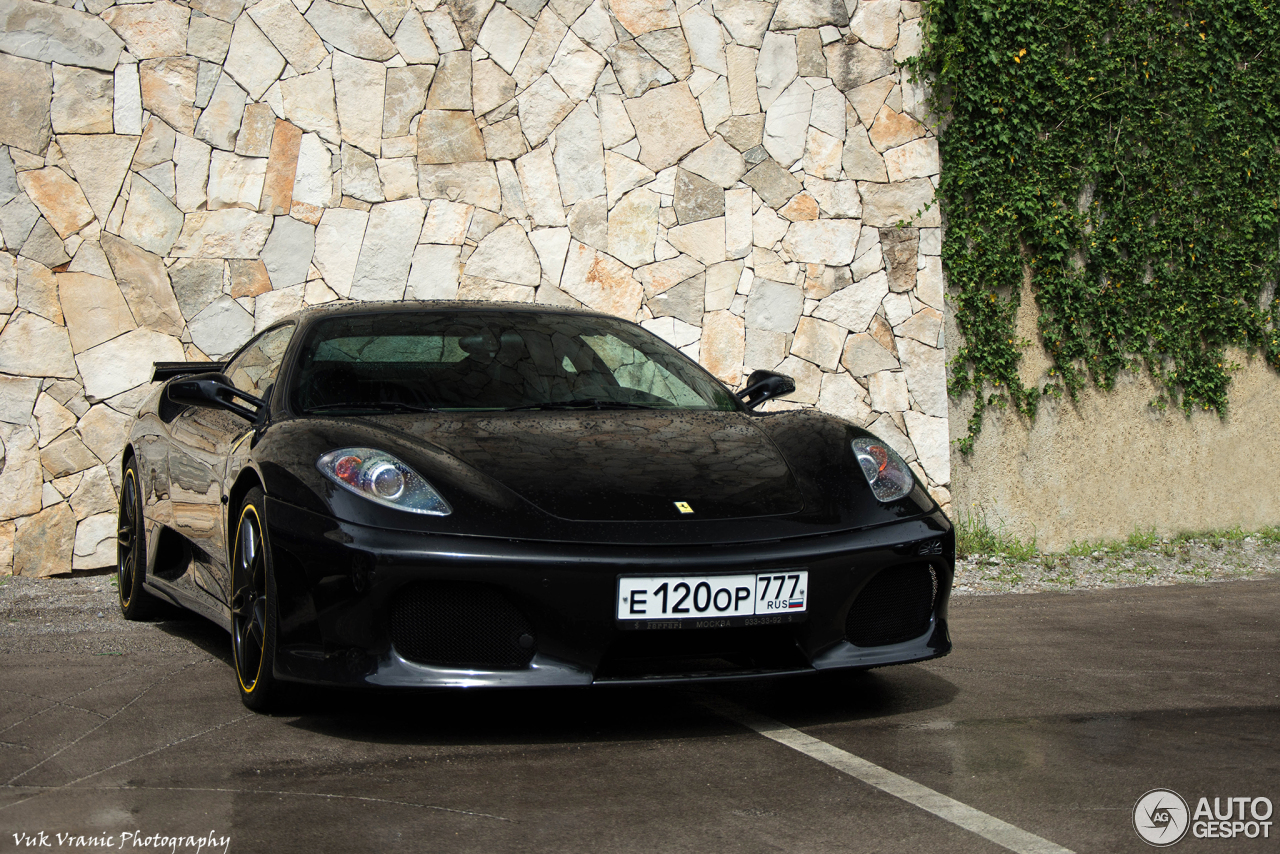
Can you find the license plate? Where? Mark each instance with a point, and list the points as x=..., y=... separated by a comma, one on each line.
x=706, y=601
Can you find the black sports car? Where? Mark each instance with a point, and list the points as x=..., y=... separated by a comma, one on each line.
x=478, y=494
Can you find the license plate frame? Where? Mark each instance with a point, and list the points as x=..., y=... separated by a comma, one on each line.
x=711, y=600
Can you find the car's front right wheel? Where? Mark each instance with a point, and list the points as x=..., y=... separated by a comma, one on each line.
x=253, y=607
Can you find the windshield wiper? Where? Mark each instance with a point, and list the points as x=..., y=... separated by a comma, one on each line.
x=373, y=406
x=580, y=403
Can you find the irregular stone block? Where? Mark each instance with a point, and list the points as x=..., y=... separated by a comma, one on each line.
x=235, y=181
x=746, y=20
x=221, y=327
x=854, y=306
x=82, y=101
x=774, y=306
x=208, y=38
x=776, y=68
x=435, y=272
x=542, y=107
x=48, y=33
x=540, y=49
x=252, y=60
x=540, y=187
x=100, y=162
x=636, y=71
x=844, y=398
x=350, y=30
x=144, y=281
x=906, y=201
x=579, y=156
x=43, y=543
x=504, y=35
x=794, y=14
x=358, y=85
x=701, y=240
x=876, y=22
x=25, y=91
x=282, y=168
x=169, y=90
x=825, y=241
x=59, y=198
x=449, y=136
x=406, y=96
x=292, y=35
x=696, y=198
x=231, y=233
x=506, y=255
x=220, y=121
x=94, y=308
x=287, y=252
x=668, y=124
x=852, y=65
x=196, y=283
x=151, y=30
x=309, y=103
x=633, y=229
x=773, y=183
x=722, y=345
x=472, y=183
x=575, y=67
x=601, y=282
x=451, y=87
x=382, y=271
x=819, y=341
x=929, y=436
x=645, y=16
x=414, y=42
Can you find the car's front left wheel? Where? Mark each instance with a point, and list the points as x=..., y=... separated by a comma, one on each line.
x=253, y=607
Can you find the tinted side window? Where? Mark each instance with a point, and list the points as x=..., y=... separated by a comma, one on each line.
x=255, y=369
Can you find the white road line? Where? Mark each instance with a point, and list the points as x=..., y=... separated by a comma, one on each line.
x=949, y=809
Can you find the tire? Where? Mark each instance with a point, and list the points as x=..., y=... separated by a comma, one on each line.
x=254, y=621
x=131, y=551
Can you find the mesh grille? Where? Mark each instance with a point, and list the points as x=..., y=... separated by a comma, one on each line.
x=894, y=607
x=460, y=625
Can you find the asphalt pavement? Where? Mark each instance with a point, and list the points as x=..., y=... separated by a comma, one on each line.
x=1054, y=715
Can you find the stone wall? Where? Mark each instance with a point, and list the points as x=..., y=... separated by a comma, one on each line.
x=175, y=175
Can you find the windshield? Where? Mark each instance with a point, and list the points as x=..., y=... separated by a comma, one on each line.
x=494, y=360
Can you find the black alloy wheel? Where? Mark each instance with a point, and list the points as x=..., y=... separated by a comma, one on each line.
x=253, y=607
x=131, y=550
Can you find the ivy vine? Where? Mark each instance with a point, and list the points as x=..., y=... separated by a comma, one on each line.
x=1125, y=156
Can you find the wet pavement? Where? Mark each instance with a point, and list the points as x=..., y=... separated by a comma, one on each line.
x=1056, y=712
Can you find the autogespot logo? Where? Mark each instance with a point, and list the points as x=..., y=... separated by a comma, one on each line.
x=1160, y=817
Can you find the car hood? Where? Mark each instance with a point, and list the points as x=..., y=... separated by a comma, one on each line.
x=628, y=465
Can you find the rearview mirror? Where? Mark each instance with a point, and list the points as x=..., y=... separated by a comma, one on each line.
x=765, y=385
x=214, y=390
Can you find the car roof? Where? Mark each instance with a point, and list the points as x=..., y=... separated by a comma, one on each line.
x=344, y=309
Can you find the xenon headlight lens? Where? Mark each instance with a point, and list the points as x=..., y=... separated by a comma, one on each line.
x=886, y=473
x=378, y=476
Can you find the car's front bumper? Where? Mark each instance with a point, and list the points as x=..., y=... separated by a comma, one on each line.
x=338, y=584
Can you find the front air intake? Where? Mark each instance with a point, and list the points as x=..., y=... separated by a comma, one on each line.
x=895, y=606
x=457, y=624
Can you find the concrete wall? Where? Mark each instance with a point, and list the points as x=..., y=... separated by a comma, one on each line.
x=1110, y=463
x=177, y=175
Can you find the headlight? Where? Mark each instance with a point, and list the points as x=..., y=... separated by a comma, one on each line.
x=380, y=477
x=887, y=475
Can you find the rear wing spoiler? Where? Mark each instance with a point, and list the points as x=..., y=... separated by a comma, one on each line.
x=168, y=370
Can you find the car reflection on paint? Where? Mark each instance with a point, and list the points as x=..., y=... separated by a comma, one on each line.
x=477, y=494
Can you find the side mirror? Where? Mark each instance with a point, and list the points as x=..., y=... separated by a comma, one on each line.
x=214, y=390
x=765, y=385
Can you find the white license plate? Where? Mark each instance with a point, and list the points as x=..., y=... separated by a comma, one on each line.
x=703, y=597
